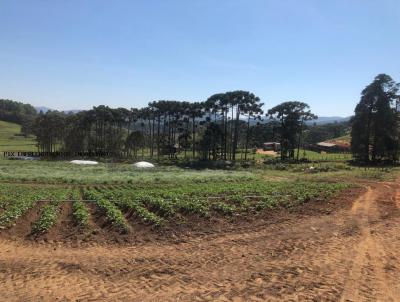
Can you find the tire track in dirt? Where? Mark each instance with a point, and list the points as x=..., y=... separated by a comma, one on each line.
x=397, y=198
x=367, y=279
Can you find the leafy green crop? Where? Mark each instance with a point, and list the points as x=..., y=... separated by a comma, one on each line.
x=113, y=214
x=47, y=219
x=49, y=214
x=224, y=208
x=156, y=204
x=17, y=200
x=124, y=200
x=80, y=213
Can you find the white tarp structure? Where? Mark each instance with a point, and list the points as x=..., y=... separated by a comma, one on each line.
x=83, y=162
x=143, y=164
x=324, y=144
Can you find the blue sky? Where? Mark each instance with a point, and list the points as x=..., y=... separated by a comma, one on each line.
x=74, y=54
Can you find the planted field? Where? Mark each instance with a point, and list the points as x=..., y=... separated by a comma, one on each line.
x=119, y=209
x=40, y=199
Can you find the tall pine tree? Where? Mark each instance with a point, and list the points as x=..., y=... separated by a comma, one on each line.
x=375, y=133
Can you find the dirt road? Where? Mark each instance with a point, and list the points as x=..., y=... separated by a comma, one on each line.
x=345, y=250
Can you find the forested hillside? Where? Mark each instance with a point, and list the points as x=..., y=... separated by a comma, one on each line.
x=19, y=113
x=11, y=138
x=16, y=112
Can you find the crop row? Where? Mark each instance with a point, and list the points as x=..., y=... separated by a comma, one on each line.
x=111, y=211
x=79, y=210
x=129, y=204
x=155, y=205
x=226, y=199
x=230, y=189
x=49, y=213
x=164, y=207
x=17, y=200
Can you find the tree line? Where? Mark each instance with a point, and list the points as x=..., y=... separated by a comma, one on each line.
x=223, y=127
x=17, y=112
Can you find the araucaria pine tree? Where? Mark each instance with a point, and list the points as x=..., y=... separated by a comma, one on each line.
x=375, y=126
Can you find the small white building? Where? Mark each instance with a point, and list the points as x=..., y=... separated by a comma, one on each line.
x=272, y=146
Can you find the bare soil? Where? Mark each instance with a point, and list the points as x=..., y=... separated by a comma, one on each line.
x=347, y=249
x=271, y=153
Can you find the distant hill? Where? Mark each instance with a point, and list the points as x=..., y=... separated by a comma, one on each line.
x=73, y=111
x=329, y=119
x=45, y=109
x=319, y=121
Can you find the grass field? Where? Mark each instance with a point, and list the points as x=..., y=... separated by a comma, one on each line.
x=10, y=140
x=316, y=156
x=62, y=172
x=109, y=173
x=312, y=156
